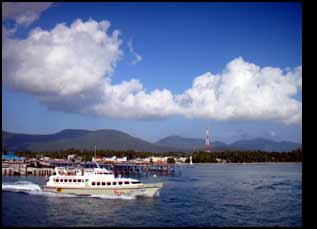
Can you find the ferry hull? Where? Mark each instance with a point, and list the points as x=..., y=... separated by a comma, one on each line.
x=146, y=190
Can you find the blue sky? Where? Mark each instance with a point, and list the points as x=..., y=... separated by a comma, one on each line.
x=177, y=42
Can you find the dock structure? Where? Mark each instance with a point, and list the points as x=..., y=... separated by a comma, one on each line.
x=26, y=171
x=123, y=169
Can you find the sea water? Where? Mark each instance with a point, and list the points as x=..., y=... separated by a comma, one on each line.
x=264, y=194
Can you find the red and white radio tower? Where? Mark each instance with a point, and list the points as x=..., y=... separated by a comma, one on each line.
x=207, y=143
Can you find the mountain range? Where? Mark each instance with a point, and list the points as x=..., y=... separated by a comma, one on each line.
x=117, y=140
x=250, y=144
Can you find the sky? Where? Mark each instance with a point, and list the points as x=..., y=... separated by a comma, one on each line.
x=154, y=69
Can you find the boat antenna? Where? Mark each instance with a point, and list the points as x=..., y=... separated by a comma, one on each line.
x=96, y=159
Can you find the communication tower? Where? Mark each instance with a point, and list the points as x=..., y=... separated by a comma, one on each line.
x=207, y=142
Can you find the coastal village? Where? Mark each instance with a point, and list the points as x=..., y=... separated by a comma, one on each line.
x=44, y=166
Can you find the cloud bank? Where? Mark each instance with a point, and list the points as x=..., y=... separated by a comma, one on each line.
x=69, y=68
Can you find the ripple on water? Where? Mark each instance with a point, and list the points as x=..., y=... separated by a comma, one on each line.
x=206, y=195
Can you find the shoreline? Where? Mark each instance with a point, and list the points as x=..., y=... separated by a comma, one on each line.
x=242, y=163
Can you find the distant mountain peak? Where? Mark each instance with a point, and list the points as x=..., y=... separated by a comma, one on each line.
x=72, y=131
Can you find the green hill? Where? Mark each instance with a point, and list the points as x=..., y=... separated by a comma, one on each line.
x=79, y=139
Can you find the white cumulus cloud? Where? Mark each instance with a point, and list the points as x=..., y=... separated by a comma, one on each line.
x=62, y=62
x=69, y=68
x=244, y=91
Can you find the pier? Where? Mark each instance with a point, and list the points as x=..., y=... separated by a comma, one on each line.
x=123, y=169
x=23, y=170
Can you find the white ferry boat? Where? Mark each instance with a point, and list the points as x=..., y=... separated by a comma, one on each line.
x=97, y=181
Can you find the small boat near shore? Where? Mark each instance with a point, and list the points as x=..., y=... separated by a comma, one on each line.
x=97, y=181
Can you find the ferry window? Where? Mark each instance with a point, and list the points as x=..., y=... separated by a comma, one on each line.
x=114, y=183
x=120, y=182
x=57, y=180
x=65, y=180
x=74, y=180
x=136, y=182
x=108, y=183
x=70, y=180
x=93, y=183
x=103, y=183
x=126, y=182
x=98, y=183
x=62, y=180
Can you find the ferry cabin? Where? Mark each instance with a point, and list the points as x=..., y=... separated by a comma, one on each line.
x=94, y=183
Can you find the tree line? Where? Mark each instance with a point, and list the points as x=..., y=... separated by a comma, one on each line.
x=248, y=156
x=87, y=155
x=197, y=157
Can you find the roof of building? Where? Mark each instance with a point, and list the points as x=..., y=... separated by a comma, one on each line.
x=12, y=156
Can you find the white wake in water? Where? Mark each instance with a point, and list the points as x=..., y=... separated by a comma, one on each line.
x=34, y=189
x=30, y=188
x=21, y=186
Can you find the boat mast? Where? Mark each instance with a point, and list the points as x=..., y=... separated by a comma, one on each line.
x=96, y=158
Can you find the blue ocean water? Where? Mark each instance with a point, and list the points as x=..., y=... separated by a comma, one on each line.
x=268, y=194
